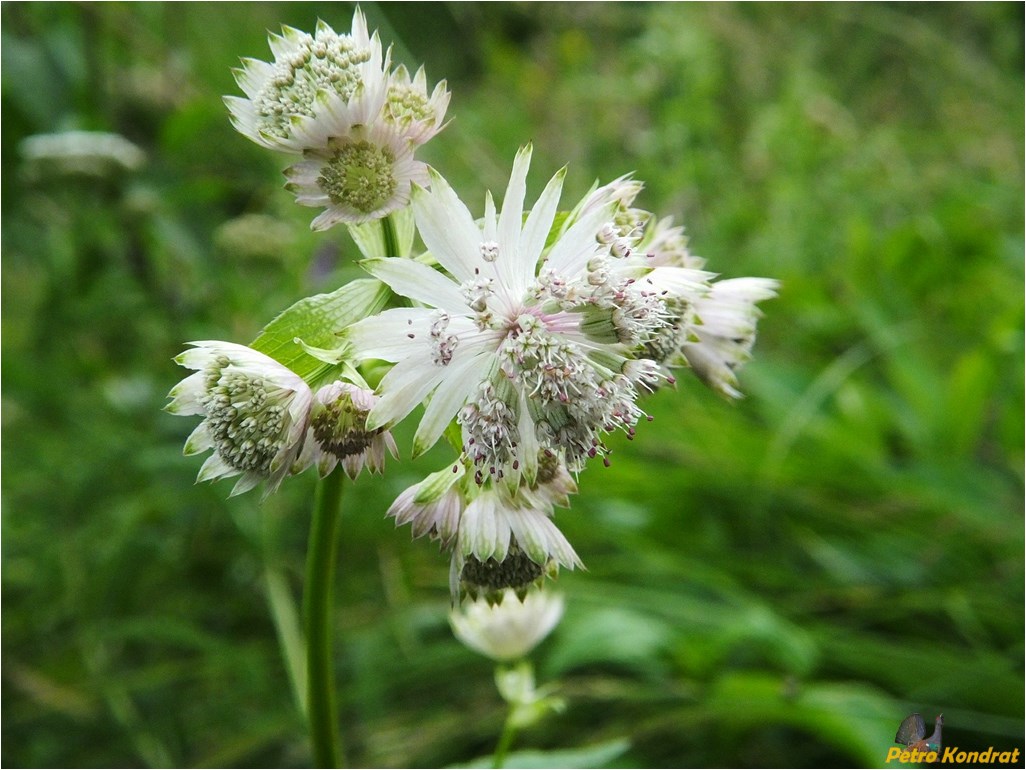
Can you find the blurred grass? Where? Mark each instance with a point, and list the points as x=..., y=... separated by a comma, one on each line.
x=776, y=583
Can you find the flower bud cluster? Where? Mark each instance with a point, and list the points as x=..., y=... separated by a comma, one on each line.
x=333, y=100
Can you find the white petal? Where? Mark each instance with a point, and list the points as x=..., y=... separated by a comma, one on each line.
x=419, y=282
x=187, y=395
x=403, y=388
x=510, y=221
x=464, y=378
x=199, y=440
x=215, y=468
x=536, y=229
x=387, y=336
x=447, y=228
x=571, y=252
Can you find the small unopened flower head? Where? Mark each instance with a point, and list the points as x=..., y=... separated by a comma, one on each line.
x=79, y=153
x=408, y=107
x=338, y=422
x=509, y=629
x=721, y=337
x=255, y=413
x=341, y=74
x=432, y=507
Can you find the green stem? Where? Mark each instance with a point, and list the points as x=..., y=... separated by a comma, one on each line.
x=321, y=554
x=509, y=732
x=391, y=237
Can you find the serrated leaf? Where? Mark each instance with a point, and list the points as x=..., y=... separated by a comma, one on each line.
x=316, y=321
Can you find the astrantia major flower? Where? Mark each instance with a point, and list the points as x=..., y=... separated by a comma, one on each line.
x=417, y=116
x=500, y=538
x=526, y=346
x=720, y=338
x=338, y=424
x=255, y=413
x=343, y=74
x=331, y=98
x=357, y=173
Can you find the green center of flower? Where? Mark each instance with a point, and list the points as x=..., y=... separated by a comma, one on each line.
x=341, y=428
x=246, y=419
x=326, y=61
x=405, y=105
x=359, y=176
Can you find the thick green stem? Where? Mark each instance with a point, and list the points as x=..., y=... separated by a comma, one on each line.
x=391, y=237
x=321, y=554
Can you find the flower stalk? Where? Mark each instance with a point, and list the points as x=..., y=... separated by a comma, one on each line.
x=322, y=550
x=391, y=237
x=509, y=733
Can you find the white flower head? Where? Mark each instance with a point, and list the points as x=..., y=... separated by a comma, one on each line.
x=341, y=74
x=338, y=424
x=527, y=353
x=255, y=413
x=500, y=539
x=510, y=629
x=720, y=338
x=357, y=173
x=417, y=116
x=84, y=153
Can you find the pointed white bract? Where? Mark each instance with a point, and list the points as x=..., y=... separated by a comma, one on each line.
x=510, y=629
x=255, y=413
x=339, y=433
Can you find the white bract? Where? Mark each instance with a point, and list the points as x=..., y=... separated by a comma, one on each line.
x=510, y=629
x=529, y=347
x=255, y=413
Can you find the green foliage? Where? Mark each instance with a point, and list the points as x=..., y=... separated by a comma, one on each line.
x=774, y=583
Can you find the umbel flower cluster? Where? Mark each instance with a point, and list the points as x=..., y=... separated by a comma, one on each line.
x=527, y=331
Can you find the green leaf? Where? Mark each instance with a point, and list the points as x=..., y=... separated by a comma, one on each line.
x=316, y=321
x=595, y=755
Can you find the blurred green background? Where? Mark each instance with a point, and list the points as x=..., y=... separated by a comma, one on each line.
x=772, y=583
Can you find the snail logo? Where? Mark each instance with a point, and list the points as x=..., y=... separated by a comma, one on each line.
x=912, y=731
x=921, y=750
